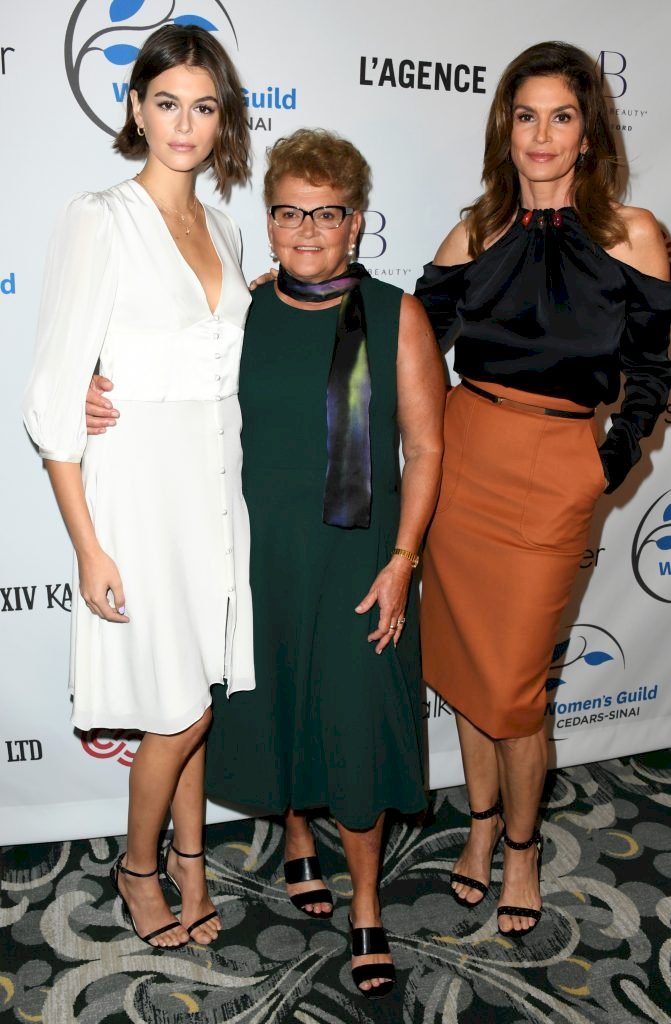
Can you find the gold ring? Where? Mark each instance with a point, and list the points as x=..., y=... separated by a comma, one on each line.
x=401, y=622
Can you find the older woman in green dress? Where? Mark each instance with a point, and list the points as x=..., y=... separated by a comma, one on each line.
x=335, y=366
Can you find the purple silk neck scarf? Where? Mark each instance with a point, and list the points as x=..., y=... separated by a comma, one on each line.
x=348, y=488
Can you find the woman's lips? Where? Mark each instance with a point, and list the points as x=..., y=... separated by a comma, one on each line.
x=541, y=158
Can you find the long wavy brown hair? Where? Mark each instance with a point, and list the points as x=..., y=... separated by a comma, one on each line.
x=169, y=47
x=595, y=188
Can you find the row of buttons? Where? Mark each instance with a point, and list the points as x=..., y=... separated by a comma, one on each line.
x=222, y=470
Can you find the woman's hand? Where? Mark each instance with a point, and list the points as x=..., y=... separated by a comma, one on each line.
x=269, y=276
x=98, y=575
x=390, y=591
x=100, y=413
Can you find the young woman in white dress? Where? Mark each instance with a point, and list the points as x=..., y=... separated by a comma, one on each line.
x=144, y=280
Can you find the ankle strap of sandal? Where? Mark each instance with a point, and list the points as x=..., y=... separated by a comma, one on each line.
x=489, y=813
x=135, y=874
x=534, y=841
x=201, y=853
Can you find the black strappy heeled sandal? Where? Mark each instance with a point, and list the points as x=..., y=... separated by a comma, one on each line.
x=475, y=883
x=114, y=876
x=364, y=942
x=163, y=867
x=306, y=869
x=517, y=933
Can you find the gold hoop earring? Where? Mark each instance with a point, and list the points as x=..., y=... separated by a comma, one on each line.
x=140, y=131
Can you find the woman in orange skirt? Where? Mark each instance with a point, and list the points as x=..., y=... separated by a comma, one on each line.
x=552, y=289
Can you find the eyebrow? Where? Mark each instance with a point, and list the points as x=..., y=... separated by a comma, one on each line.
x=555, y=110
x=171, y=96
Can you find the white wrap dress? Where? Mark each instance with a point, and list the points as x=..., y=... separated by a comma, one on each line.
x=164, y=485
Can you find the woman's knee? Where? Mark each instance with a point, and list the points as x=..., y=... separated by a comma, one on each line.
x=197, y=732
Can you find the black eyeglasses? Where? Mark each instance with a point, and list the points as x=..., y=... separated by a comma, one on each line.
x=322, y=216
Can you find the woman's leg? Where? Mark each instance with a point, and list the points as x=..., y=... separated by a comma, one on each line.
x=362, y=851
x=522, y=767
x=299, y=842
x=481, y=769
x=154, y=775
x=188, y=807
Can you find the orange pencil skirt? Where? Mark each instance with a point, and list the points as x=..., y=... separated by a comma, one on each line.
x=512, y=521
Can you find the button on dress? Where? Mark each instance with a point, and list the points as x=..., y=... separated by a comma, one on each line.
x=164, y=485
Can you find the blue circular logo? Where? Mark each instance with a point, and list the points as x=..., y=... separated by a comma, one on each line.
x=651, y=550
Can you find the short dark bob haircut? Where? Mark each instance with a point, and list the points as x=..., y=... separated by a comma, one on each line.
x=595, y=186
x=170, y=47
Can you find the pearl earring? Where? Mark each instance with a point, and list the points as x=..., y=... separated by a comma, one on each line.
x=273, y=254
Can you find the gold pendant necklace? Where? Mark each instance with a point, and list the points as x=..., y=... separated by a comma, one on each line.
x=168, y=209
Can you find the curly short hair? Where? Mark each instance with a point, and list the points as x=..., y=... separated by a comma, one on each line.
x=170, y=47
x=322, y=158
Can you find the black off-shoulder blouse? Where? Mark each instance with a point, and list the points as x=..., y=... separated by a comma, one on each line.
x=546, y=310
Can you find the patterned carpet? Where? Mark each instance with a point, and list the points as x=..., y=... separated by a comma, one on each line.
x=601, y=953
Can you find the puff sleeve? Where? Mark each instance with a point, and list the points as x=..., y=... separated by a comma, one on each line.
x=439, y=289
x=77, y=300
x=646, y=367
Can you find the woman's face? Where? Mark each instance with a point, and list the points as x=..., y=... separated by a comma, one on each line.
x=547, y=133
x=180, y=116
x=308, y=252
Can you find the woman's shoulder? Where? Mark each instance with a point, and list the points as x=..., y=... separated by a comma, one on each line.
x=376, y=286
x=453, y=250
x=222, y=219
x=86, y=213
x=100, y=204
x=644, y=249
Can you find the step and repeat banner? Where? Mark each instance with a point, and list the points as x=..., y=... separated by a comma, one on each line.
x=411, y=85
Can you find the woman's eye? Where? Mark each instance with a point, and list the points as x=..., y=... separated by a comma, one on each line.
x=563, y=118
x=203, y=108
x=166, y=105
x=525, y=116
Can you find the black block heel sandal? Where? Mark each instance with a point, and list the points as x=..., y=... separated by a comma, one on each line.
x=517, y=933
x=475, y=883
x=114, y=876
x=306, y=869
x=163, y=867
x=364, y=942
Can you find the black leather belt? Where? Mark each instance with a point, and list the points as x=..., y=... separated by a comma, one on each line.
x=527, y=406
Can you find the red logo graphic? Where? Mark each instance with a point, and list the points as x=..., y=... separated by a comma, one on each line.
x=102, y=743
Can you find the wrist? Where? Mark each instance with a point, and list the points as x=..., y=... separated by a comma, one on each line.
x=404, y=555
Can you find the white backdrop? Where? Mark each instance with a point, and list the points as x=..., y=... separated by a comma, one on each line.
x=410, y=84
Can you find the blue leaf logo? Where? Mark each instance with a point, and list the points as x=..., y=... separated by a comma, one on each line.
x=552, y=684
x=122, y=10
x=664, y=543
x=597, y=657
x=195, y=19
x=666, y=516
x=121, y=53
x=559, y=651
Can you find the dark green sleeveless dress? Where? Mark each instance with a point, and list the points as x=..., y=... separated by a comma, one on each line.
x=330, y=723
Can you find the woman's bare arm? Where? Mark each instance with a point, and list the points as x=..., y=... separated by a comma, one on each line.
x=420, y=377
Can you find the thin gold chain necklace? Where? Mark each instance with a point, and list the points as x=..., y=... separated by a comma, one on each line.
x=168, y=209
